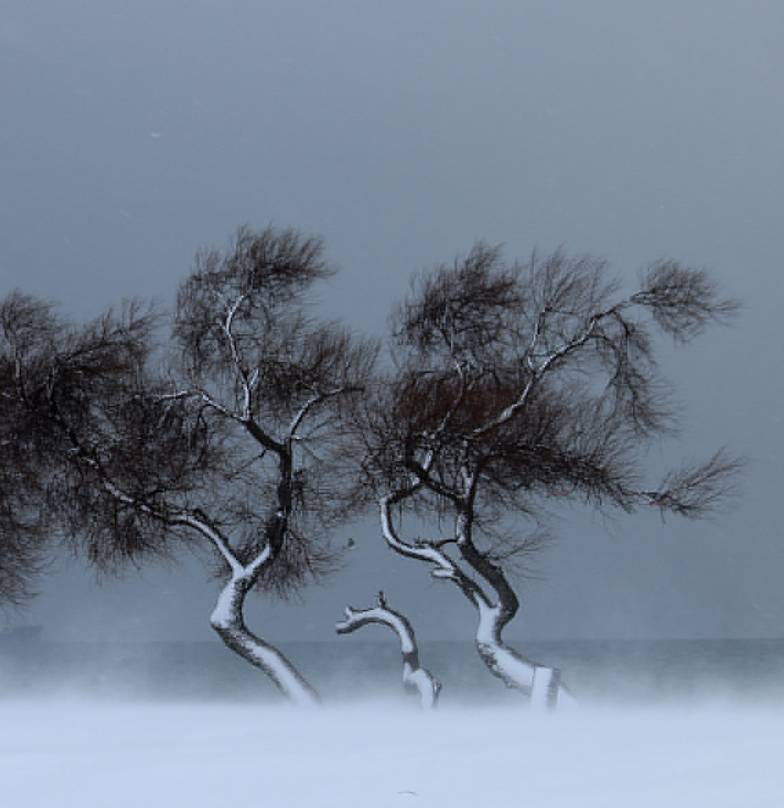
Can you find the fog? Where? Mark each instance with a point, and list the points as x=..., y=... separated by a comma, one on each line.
x=653, y=724
x=368, y=665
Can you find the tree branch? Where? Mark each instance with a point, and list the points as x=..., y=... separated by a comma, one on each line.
x=414, y=676
x=444, y=567
x=318, y=398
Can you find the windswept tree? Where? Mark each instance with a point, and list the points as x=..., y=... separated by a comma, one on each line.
x=236, y=446
x=518, y=385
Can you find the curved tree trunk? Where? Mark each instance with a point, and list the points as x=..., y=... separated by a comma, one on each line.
x=228, y=621
x=227, y=617
x=415, y=677
x=542, y=684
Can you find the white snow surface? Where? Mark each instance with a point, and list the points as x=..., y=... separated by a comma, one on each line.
x=80, y=755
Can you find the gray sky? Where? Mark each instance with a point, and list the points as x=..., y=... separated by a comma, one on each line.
x=135, y=132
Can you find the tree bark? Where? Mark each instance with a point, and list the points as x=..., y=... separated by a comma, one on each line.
x=228, y=621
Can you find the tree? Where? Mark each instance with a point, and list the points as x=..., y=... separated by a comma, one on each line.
x=516, y=385
x=237, y=445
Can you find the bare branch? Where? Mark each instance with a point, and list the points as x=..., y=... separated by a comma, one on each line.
x=414, y=676
x=443, y=566
x=694, y=491
x=315, y=400
x=683, y=300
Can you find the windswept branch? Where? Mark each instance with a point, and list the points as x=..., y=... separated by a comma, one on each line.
x=314, y=401
x=694, y=491
x=415, y=677
x=547, y=364
x=195, y=520
x=245, y=419
x=248, y=381
x=683, y=300
x=442, y=566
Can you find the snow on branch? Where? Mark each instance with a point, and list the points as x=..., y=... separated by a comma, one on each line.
x=444, y=567
x=414, y=676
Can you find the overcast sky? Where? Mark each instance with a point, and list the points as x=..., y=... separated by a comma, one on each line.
x=134, y=132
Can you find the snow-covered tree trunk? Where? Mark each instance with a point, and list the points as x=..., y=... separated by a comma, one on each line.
x=227, y=618
x=228, y=621
x=415, y=677
x=540, y=683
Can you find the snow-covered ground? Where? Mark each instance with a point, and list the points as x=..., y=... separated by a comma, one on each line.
x=62, y=754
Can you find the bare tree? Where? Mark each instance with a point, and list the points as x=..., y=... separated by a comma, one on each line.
x=238, y=447
x=415, y=677
x=516, y=385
